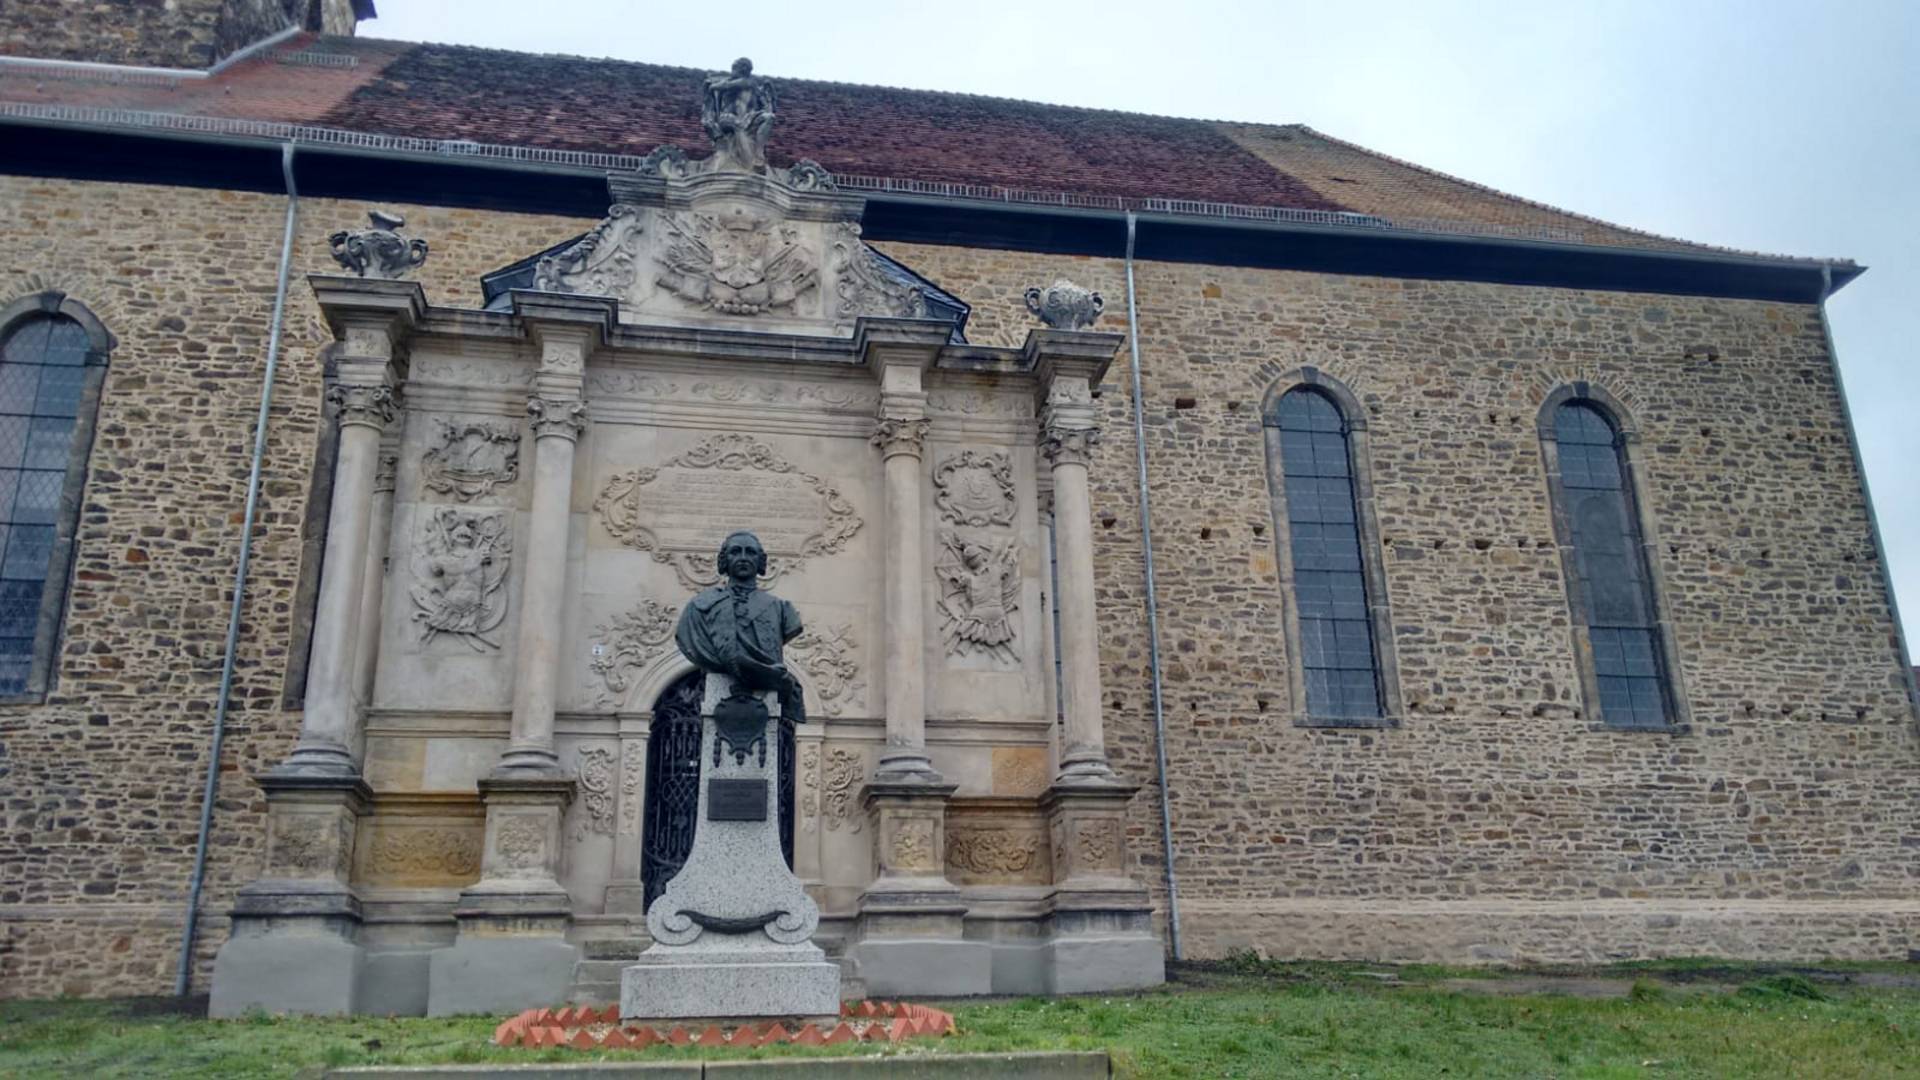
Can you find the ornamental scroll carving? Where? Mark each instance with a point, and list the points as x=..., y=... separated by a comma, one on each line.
x=600, y=263
x=810, y=786
x=311, y=845
x=827, y=654
x=451, y=853
x=630, y=641
x=979, y=592
x=522, y=842
x=845, y=770
x=863, y=286
x=379, y=252
x=460, y=566
x=666, y=511
x=975, y=488
x=596, y=779
x=912, y=847
x=468, y=460
x=993, y=853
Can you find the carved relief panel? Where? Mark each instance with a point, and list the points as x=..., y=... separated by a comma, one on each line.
x=468, y=459
x=459, y=563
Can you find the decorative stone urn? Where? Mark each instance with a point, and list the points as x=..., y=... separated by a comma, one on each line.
x=1064, y=305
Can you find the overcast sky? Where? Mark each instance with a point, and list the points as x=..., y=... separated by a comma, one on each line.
x=1777, y=126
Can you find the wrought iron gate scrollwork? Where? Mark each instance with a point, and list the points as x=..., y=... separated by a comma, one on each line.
x=673, y=784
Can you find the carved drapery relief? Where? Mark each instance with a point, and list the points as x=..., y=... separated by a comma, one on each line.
x=596, y=775
x=970, y=403
x=863, y=285
x=600, y=263
x=810, y=787
x=845, y=770
x=979, y=592
x=827, y=655
x=522, y=842
x=628, y=642
x=735, y=263
x=653, y=388
x=378, y=252
x=462, y=372
x=460, y=562
x=992, y=853
x=975, y=488
x=665, y=511
x=469, y=459
x=427, y=852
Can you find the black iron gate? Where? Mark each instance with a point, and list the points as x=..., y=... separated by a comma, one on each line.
x=673, y=783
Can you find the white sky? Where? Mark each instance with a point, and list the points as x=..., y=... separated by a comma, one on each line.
x=1774, y=125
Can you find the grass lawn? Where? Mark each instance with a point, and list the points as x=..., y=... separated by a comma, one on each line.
x=1243, y=1020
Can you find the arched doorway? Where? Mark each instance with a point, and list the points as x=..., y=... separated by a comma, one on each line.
x=673, y=783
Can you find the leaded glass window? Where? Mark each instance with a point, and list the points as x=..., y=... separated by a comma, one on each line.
x=43, y=379
x=1337, y=653
x=1610, y=569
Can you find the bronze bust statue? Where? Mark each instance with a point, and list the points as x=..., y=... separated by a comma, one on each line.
x=738, y=629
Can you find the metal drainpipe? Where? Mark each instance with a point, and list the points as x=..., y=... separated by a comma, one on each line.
x=1866, y=490
x=183, y=977
x=1153, y=604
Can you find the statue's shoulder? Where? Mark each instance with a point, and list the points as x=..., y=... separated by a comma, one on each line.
x=705, y=600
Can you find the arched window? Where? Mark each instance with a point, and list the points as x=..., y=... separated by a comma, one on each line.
x=1337, y=625
x=51, y=356
x=1624, y=651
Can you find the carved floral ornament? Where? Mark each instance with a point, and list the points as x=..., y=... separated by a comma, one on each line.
x=901, y=435
x=460, y=562
x=562, y=417
x=369, y=406
x=596, y=780
x=846, y=769
x=379, y=252
x=469, y=459
x=826, y=655
x=993, y=852
x=630, y=641
x=435, y=851
x=665, y=510
x=1065, y=445
x=975, y=488
x=522, y=842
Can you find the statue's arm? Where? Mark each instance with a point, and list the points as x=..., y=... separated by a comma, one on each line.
x=789, y=621
x=692, y=642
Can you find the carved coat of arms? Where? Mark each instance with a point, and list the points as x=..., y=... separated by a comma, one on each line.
x=979, y=592
x=734, y=262
x=470, y=459
x=460, y=567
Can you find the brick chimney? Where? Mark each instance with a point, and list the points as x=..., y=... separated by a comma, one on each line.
x=186, y=34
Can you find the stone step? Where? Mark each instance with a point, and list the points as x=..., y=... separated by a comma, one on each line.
x=597, y=982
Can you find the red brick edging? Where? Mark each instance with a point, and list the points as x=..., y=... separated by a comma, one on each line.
x=588, y=1027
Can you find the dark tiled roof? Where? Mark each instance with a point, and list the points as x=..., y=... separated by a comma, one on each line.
x=611, y=106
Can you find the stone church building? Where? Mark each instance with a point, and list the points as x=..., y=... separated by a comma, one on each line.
x=1208, y=536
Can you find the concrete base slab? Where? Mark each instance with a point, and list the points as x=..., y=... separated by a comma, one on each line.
x=395, y=983
x=298, y=974
x=499, y=975
x=1079, y=965
x=922, y=967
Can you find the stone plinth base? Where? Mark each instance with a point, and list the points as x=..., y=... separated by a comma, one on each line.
x=503, y=974
x=690, y=982
x=304, y=966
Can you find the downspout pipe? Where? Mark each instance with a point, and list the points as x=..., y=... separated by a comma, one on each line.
x=183, y=976
x=1153, y=601
x=1866, y=491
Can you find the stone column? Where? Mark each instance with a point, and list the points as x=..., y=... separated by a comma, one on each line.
x=557, y=423
x=294, y=945
x=512, y=952
x=1099, y=923
x=366, y=652
x=909, y=937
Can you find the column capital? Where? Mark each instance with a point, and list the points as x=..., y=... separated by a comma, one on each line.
x=901, y=435
x=564, y=418
x=366, y=406
x=1067, y=440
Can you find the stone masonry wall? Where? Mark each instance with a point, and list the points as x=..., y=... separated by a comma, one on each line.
x=153, y=33
x=1493, y=815
x=100, y=787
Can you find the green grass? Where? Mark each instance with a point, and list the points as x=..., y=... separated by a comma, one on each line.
x=1277, y=1020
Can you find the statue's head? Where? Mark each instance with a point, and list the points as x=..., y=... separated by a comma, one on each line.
x=741, y=557
x=743, y=66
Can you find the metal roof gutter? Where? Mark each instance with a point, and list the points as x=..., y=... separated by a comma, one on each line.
x=339, y=169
